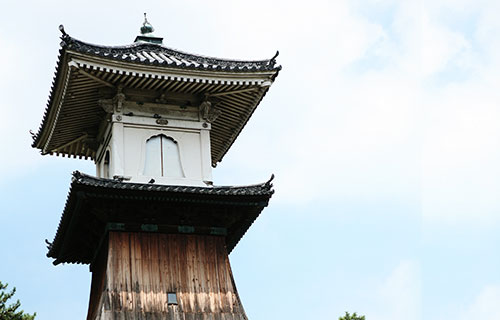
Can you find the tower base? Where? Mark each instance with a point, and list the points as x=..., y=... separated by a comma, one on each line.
x=163, y=276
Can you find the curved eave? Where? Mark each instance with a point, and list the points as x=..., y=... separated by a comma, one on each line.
x=49, y=114
x=157, y=54
x=72, y=115
x=83, y=223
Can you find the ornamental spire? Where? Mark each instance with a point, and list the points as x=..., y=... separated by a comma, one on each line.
x=146, y=26
x=147, y=33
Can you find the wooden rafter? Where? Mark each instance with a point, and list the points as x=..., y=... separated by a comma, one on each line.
x=61, y=148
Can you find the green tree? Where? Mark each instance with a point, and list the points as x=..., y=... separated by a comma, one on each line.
x=353, y=316
x=11, y=312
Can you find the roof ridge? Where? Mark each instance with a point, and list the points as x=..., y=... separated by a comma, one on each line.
x=83, y=178
x=70, y=42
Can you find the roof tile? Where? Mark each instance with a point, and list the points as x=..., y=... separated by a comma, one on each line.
x=150, y=53
x=67, y=244
x=252, y=190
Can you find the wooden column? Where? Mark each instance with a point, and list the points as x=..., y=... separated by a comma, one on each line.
x=135, y=272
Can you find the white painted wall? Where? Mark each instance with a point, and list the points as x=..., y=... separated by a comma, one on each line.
x=127, y=139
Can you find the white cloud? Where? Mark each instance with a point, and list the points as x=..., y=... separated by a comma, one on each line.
x=319, y=37
x=353, y=144
x=399, y=296
x=484, y=306
x=461, y=178
x=440, y=46
x=340, y=133
x=16, y=112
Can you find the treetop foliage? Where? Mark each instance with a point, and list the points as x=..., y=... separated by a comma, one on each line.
x=353, y=316
x=11, y=312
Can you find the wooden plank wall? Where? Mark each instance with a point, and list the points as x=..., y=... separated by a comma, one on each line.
x=142, y=268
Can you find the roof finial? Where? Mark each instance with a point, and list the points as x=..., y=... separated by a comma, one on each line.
x=147, y=33
x=146, y=26
x=61, y=28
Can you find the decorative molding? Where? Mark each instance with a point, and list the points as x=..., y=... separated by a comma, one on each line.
x=161, y=73
x=119, y=99
x=209, y=111
x=115, y=104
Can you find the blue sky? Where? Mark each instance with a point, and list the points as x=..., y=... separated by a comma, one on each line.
x=382, y=130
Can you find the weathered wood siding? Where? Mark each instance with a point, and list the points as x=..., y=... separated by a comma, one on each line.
x=141, y=268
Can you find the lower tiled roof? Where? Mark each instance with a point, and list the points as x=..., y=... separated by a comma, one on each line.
x=252, y=190
x=93, y=204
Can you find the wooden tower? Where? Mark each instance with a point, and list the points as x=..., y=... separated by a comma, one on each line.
x=152, y=226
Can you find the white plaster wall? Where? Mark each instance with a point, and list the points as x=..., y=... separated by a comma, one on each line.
x=127, y=147
x=189, y=145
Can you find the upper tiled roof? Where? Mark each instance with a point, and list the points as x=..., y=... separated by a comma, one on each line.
x=71, y=122
x=157, y=54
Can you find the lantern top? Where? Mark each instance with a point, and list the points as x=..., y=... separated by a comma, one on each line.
x=88, y=73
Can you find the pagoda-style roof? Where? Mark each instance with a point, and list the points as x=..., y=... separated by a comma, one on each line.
x=155, y=54
x=86, y=73
x=95, y=206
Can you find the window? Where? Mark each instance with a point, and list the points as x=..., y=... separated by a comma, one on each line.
x=162, y=157
x=172, y=298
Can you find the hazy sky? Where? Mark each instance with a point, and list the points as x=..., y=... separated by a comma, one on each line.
x=382, y=131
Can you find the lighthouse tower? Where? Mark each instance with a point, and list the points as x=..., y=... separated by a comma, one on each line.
x=151, y=224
